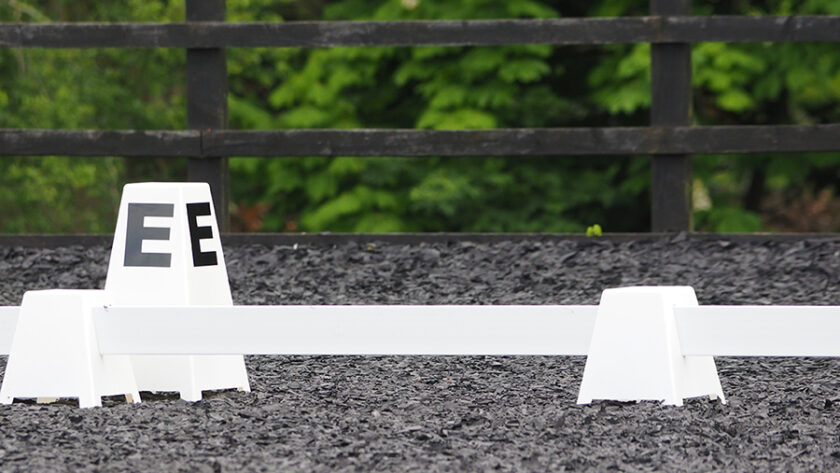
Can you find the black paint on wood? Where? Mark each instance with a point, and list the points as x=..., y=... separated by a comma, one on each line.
x=206, y=29
x=656, y=140
x=15, y=142
x=526, y=141
x=671, y=207
x=207, y=107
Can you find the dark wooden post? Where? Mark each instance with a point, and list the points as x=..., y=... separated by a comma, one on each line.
x=207, y=106
x=670, y=106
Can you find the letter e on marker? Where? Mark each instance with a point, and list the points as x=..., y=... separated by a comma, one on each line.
x=200, y=258
x=137, y=231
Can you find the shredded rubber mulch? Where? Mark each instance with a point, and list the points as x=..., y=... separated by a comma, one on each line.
x=431, y=414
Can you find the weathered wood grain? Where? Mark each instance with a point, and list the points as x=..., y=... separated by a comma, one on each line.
x=562, y=31
x=525, y=142
x=14, y=142
x=379, y=142
x=207, y=91
x=671, y=181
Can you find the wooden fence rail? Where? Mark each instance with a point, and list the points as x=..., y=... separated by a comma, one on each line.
x=670, y=140
x=306, y=34
x=654, y=140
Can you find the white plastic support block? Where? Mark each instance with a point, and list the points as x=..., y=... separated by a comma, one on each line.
x=54, y=352
x=167, y=252
x=635, y=351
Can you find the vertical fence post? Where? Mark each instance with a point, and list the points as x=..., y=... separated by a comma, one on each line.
x=670, y=106
x=207, y=106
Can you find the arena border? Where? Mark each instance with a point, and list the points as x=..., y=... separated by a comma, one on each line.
x=640, y=435
x=47, y=241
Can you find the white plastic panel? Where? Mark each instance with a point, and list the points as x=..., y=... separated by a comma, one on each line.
x=759, y=330
x=346, y=330
x=8, y=323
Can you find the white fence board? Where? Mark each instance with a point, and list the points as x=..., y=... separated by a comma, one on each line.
x=759, y=330
x=438, y=330
x=347, y=330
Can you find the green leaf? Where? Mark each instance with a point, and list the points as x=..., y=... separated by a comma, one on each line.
x=735, y=100
x=320, y=186
x=449, y=96
x=728, y=220
x=461, y=119
x=523, y=70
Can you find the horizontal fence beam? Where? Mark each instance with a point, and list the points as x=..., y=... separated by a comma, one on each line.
x=563, y=31
x=100, y=143
x=378, y=142
x=759, y=330
x=455, y=330
x=346, y=330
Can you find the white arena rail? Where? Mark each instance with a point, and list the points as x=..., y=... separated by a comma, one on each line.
x=759, y=330
x=734, y=331
x=166, y=322
x=346, y=330
x=628, y=339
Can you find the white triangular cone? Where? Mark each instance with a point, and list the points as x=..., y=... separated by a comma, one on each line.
x=167, y=252
x=635, y=350
x=54, y=352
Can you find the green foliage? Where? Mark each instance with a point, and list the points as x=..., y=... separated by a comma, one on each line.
x=434, y=88
x=749, y=83
x=441, y=88
x=621, y=82
x=83, y=89
x=594, y=230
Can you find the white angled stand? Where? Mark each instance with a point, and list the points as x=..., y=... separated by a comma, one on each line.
x=635, y=351
x=54, y=352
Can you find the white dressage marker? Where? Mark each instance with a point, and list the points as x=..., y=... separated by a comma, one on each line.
x=167, y=252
